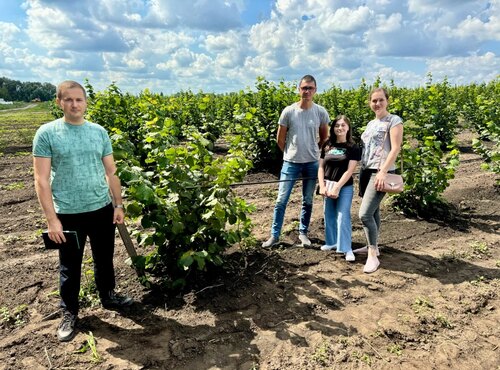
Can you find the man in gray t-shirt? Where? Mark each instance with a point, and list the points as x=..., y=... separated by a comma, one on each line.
x=302, y=130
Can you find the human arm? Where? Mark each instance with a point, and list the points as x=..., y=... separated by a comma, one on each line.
x=396, y=138
x=343, y=179
x=323, y=134
x=114, y=186
x=281, y=137
x=321, y=176
x=41, y=168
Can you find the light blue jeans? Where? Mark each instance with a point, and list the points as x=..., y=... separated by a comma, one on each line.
x=369, y=211
x=338, y=227
x=292, y=171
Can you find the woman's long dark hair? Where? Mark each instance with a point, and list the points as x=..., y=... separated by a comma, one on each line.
x=332, y=139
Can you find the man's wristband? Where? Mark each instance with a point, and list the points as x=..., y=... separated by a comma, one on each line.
x=118, y=205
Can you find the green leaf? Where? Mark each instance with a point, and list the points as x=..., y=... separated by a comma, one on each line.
x=145, y=193
x=186, y=260
x=177, y=227
x=134, y=209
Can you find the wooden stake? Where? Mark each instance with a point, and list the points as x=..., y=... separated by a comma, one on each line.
x=129, y=245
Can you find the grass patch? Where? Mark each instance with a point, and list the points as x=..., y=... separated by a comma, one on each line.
x=14, y=186
x=421, y=303
x=17, y=128
x=14, y=105
x=480, y=249
x=476, y=250
x=88, y=296
x=271, y=194
x=320, y=356
x=363, y=357
x=454, y=256
x=478, y=281
x=11, y=239
x=395, y=349
x=90, y=345
x=15, y=317
x=443, y=321
x=292, y=226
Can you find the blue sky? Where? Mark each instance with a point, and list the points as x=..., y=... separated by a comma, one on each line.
x=224, y=45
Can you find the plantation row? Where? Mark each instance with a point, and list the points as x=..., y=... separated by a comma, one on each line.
x=181, y=191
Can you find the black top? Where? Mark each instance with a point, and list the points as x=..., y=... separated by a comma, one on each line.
x=338, y=156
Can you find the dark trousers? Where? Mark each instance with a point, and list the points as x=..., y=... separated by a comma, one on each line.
x=98, y=226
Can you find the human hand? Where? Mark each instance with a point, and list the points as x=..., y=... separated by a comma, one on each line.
x=55, y=231
x=118, y=216
x=322, y=190
x=379, y=180
x=333, y=193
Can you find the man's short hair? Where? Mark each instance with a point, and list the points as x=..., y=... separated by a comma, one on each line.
x=68, y=84
x=308, y=78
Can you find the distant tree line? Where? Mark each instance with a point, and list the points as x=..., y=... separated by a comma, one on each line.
x=12, y=90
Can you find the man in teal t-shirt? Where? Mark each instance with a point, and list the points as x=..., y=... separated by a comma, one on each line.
x=74, y=173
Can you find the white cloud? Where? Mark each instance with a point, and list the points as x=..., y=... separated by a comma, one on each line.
x=475, y=28
x=389, y=24
x=44, y=24
x=465, y=70
x=345, y=20
x=261, y=64
x=215, y=15
x=52, y=28
x=170, y=45
x=8, y=32
x=150, y=42
x=135, y=63
x=185, y=63
x=268, y=35
x=424, y=7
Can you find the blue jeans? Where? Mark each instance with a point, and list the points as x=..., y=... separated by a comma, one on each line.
x=99, y=228
x=369, y=211
x=292, y=171
x=338, y=228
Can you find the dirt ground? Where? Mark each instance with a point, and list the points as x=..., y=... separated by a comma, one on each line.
x=433, y=304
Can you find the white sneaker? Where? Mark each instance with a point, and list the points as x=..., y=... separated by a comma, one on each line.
x=270, y=242
x=327, y=247
x=349, y=256
x=304, y=240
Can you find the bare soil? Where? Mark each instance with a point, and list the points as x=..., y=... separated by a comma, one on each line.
x=433, y=304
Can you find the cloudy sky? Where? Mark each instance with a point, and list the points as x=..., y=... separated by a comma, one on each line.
x=223, y=45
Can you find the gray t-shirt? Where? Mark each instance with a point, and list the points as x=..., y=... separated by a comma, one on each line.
x=301, y=145
x=77, y=173
x=372, y=138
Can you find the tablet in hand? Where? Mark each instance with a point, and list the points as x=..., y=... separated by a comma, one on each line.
x=71, y=240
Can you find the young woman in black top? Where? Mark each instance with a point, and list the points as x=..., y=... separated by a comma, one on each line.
x=338, y=160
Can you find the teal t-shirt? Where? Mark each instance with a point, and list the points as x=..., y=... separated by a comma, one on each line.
x=77, y=173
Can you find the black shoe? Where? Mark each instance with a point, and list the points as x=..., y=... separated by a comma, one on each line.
x=115, y=300
x=66, y=329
